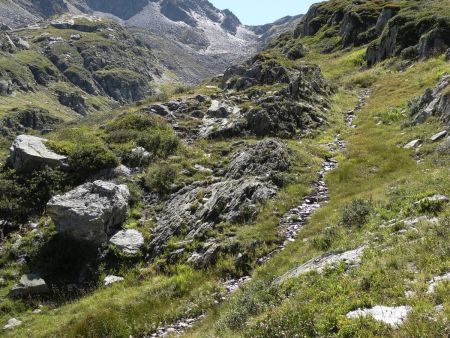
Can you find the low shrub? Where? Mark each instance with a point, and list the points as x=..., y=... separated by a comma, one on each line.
x=160, y=178
x=356, y=213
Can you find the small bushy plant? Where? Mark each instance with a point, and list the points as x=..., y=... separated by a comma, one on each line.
x=160, y=177
x=356, y=213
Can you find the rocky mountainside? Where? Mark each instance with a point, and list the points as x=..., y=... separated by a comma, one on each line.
x=206, y=40
x=302, y=192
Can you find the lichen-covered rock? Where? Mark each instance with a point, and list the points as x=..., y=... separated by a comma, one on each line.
x=199, y=207
x=128, y=241
x=90, y=211
x=434, y=102
x=260, y=159
x=29, y=153
x=29, y=285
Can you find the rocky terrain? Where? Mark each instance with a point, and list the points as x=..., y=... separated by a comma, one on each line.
x=204, y=39
x=302, y=192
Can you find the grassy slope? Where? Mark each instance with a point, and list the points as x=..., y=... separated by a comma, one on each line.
x=375, y=167
x=372, y=167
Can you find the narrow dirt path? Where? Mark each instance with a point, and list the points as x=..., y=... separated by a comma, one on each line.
x=290, y=224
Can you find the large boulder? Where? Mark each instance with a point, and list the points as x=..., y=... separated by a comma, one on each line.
x=90, y=211
x=434, y=102
x=260, y=159
x=29, y=285
x=29, y=153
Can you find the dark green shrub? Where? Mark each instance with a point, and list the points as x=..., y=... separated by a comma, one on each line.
x=160, y=178
x=87, y=160
x=22, y=196
x=357, y=212
x=144, y=130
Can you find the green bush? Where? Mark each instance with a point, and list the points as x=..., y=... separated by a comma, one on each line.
x=22, y=196
x=143, y=130
x=86, y=151
x=357, y=212
x=160, y=178
x=89, y=159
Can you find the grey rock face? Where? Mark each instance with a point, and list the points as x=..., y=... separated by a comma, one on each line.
x=411, y=39
x=260, y=159
x=434, y=102
x=75, y=101
x=90, y=211
x=29, y=153
x=256, y=71
x=219, y=109
x=447, y=55
x=128, y=241
x=123, y=87
x=199, y=207
x=29, y=285
x=350, y=258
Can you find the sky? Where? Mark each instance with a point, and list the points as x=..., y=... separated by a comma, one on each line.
x=257, y=12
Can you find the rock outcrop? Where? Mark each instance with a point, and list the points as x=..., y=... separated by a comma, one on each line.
x=29, y=153
x=29, y=285
x=199, y=207
x=435, y=102
x=410, y=37
x=319, y=264
x=260, y=159
x=256, y=71
x=91, y=211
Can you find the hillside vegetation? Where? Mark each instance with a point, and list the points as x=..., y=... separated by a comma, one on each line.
x=248, y=189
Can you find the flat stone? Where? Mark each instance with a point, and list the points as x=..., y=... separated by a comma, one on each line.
x=319, y=264
x=390, y=315
x=111, y=279
x=436, y=280
x=128, y=241
x=29, y=153
x=29, y=285
x=439, y=136
x=413, y=144
x=12, y=324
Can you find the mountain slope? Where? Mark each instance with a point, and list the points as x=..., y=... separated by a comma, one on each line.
x=210, y=38
x=304, y=192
